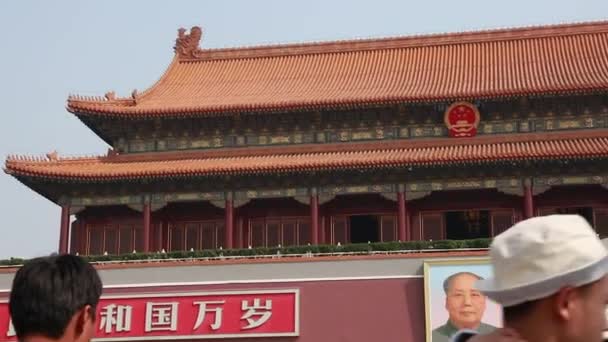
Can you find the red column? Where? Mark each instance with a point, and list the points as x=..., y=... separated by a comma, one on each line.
x=82, y=249
x=64, y=231
x=147, y=213
x=239, y=233
x=322, y=228
x=401, y=218
x=159, y=236
x=314, y=218
x=229, y=225
x=528, y=200
x=246, y=229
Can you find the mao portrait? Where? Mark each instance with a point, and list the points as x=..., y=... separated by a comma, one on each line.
x=453, y=303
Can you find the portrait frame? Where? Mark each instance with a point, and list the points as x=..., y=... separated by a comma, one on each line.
x=459, y=265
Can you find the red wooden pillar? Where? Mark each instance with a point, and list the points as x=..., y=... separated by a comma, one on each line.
x=322, y=227
x=84, y=236
x=64, y=231
x=314, y=217
x=401, y=218
x=147, y=214
x=229, y=224
x=528, y=199
x=239, y=233
x=246, y=231
x=159, y=236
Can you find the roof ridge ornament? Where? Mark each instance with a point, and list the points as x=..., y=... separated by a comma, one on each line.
x=187, y=45
x=110, y=96
x=52, y=156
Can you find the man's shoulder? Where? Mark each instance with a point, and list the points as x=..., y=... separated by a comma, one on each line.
x=445, y=330
x=441, y=334
x=485, y=328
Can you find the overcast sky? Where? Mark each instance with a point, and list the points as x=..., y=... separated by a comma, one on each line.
x=50, y=49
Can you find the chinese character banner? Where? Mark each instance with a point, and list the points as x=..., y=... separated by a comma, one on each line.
x=189, y=316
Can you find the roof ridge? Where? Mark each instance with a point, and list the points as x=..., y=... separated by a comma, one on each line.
x=195, y=53
x=52, y=157
x=280, y=78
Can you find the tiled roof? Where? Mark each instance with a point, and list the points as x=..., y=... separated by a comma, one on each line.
x=250, y=161
x=486, y=64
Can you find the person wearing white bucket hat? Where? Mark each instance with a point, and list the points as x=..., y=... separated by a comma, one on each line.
x=549, y=274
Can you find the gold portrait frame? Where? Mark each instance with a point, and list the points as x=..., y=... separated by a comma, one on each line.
x=427, y=265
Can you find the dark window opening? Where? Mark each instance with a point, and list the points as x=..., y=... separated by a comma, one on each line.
x=585, y=212
x=601, y=222
x=470, y=224
x=364, y=228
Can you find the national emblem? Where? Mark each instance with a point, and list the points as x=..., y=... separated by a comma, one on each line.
x=462, y=119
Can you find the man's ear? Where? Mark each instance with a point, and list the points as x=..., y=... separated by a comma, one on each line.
x=85, y=316
x=562, y=303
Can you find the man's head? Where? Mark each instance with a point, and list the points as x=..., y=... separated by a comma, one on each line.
x=550, y=277
x=464, y=303
x=55, y=298
x=573, y=313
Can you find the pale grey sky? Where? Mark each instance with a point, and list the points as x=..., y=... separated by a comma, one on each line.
x=53, y=48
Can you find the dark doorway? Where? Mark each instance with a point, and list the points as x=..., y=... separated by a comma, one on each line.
x=364, y=228
x=585, y=212
x=470, y=224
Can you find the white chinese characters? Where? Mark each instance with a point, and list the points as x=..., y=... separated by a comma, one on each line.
x=263, y=312
x=161, y=316
x=204, y=308
x=11, y=329
x=116, y=318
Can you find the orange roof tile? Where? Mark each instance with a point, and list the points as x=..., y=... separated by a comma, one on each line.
x=439, y=152
x=487, y=64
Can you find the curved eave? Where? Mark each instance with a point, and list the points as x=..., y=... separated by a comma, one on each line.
x=283, y=171
x=99, y=109
x=525, y=149
x=25, y=180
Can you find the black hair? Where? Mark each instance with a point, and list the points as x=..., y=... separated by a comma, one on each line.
x=48, y=291
x=447, y=282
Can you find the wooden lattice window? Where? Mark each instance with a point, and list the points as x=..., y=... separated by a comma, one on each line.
x=111, y=240
x=501, y=221
x=432, y=226
x=339, y=230
x=388, y=228
x=95, y=240
x=125, y=238
x=193, y=239
x=177, y=240
x=196, y=235
x=272, y=232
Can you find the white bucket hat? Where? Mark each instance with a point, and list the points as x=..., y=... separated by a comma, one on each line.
x=537, y=257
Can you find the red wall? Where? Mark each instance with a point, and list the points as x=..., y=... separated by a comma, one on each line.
x=387, y=310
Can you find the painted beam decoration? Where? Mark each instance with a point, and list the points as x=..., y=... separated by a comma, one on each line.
x=189, y=316
x=462, y=119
